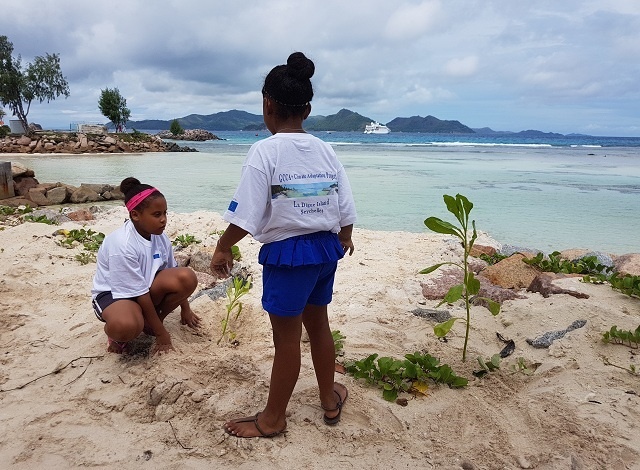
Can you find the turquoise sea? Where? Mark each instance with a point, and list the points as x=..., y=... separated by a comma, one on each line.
x=549, y=193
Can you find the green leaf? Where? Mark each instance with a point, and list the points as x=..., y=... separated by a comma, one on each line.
x=441, y=329
x=473, y=284
x=390, y=395
x=432, y=268
x=440, y=226
x=454, y=294
x=452, y=205
x=494, y=307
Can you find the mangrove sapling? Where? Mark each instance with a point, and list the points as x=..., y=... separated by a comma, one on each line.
x=460, y=207
x=237, y=288
x=487, y=365
x=338, y=342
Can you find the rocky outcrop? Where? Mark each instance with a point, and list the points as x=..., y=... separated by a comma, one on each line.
x=198, y=135
x=29, y=191
x=77, y=143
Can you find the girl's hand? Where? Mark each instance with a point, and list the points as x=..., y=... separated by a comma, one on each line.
x=222, y=262
x=347, y=245
x=187, y=317
x=163, y=344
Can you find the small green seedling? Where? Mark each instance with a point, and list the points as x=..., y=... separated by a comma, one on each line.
x=85, y=257
x=487, y=365
x=460, y=207
x=522, y=367
x=183, y=241
x=237, y=288
x=235, y=252
x=338, y=342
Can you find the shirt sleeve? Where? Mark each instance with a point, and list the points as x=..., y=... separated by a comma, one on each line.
x=249, y=204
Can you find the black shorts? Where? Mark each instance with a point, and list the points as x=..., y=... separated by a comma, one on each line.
x=102, y=301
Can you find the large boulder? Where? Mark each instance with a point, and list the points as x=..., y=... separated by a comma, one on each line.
x=84, y=194
x=22, y=185
x=628, y=264
x=511, y=273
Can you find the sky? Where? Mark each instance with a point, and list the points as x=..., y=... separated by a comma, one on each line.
x=569, y=66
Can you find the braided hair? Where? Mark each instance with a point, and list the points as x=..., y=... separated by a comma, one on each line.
x=289, y=86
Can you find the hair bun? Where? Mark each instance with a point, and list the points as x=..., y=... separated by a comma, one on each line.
x=300, y=67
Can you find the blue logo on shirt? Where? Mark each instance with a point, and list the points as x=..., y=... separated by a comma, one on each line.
x=232, y=206
x=156, y=256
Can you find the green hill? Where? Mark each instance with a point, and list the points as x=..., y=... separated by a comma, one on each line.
x=428, y=124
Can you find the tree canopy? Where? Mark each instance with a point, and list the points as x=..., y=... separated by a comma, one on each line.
x=113, y=106
x=41, y=80
x=176, y=128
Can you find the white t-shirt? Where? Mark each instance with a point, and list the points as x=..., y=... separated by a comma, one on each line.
x=291, y=184
x=128, y=263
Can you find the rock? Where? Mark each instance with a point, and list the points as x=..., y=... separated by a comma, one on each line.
x=84, y=194
x=57, y=195
x=435, y=288
x=628, y=264
x=206, y=280
x=438, y=316
x=545, y=340
x=508, y=250
x=80, y=216
x=511, y=273
x=478, y=250
x=18, y=201
x=22, y=184
x=200, y=260
x=98, y=188
x=18, y=169
x=24, y=140
x=543, y=284
x=38, y=196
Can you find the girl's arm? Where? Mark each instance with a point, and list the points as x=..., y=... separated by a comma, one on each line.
x=344, y=235
x=222, y=260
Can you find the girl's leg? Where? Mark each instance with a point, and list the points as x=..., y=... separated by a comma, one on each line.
x=170, y=288
x=123, y=320
x=284, y=375
x=323, y=354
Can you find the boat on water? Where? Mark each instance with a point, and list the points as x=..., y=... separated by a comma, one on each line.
x=376, y=128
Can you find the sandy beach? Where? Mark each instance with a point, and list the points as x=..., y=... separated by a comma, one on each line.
x=67, y=403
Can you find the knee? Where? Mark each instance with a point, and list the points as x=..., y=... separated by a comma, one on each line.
x=125, y=328
x=187, y=280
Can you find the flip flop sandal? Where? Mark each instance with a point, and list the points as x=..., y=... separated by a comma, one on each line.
x=336, y=419
x=254, y=420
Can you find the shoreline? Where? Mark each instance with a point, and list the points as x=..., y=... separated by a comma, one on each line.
x=574, y=410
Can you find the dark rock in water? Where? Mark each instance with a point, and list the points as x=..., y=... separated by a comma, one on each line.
x=543, y=283
x=432, y=314
x=545, y=340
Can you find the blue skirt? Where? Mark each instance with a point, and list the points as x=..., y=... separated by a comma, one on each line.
x=302, y=250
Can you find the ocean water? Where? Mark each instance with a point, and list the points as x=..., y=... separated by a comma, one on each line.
x=549, y=193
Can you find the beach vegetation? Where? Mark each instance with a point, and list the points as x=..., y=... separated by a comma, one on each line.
x=235, y=252
x=4, y=131
x=409, y=375
x=85, y=257
x=90, y=239
x=176, y=128
x=42, y=219
x=522, y=367
x=625, y=337
x=468, y=290
x=183, y=241
x=556, y=264
x=238, y=287
x=626, y=284
x=338, y=342
x=113, y=106
x=487, y=365
x=40, y=80
x=492, y=259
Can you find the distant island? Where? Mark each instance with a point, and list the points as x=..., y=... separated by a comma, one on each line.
x=343, y=121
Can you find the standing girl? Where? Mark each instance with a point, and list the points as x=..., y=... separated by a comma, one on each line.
x=137, y=283
x=295, y=198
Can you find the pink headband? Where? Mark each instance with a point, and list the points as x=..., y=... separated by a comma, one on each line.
x=138, y=198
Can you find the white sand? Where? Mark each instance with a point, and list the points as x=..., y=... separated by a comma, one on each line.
x=105, y=410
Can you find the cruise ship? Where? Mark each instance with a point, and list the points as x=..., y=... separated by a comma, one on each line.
x=376, y=128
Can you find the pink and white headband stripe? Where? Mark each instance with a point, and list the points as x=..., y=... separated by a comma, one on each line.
x=138, y=198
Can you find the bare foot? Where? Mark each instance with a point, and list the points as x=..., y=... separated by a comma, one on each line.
x=118, y=347
x=250, y=427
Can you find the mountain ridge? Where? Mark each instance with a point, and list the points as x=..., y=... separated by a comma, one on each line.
x=344, y=120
